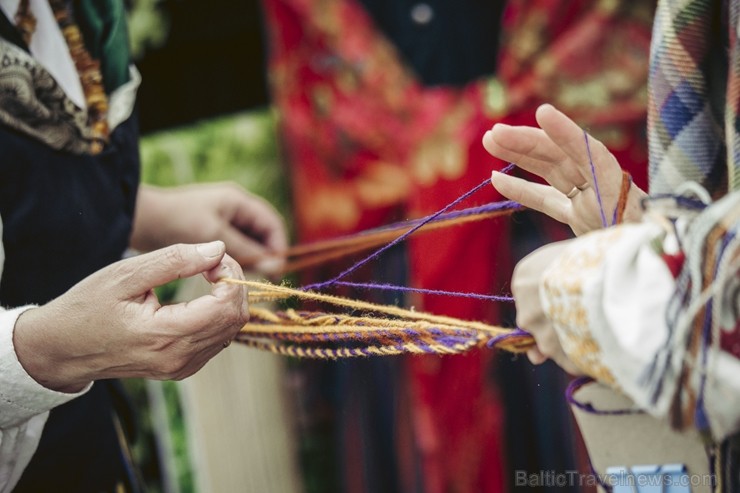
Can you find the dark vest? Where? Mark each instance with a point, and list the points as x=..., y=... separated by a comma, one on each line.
x=64, y=217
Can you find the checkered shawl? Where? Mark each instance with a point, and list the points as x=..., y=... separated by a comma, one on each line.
x=688, y=141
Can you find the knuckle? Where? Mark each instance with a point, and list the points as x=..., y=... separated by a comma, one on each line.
x=231, y=188
x=234, y=310
x=525, y=322
x=210, y=229
x=122, y=271
x=175, y=254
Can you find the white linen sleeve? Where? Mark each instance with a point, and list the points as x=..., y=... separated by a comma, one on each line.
x=625, y=319
x=24, y=403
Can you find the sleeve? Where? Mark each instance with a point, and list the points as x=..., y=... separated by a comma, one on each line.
x=24, y=403
x=652, y=310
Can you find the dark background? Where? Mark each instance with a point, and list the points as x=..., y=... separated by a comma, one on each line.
x=212, y=63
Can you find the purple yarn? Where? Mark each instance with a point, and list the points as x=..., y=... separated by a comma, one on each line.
x=377, y=253
x=701, y=418
x=450, y=341
x=393, y=287
x=424, y=347
x=587, y=407
x=502, y=337
x=596, y=182
x=684, y=202
x=504, y=205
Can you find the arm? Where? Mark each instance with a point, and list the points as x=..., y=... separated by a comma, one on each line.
x=109, y=325
x=24, y=404
x=253, y=231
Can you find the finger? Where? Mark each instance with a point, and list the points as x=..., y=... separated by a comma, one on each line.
x=138, y=275
x=244, y=249
x=565, y=133
x=524, y=141
x=562, y=360
x=184, y=365
x=207, y=319
x=532, y=150
x=529, y=148
x=535, y=356
x=252, y=254
x=199, y=362
x=535, y=196
x=258, y=218
x=549, y=346
x=224, y=310
x=226, y=292
x=227, y=268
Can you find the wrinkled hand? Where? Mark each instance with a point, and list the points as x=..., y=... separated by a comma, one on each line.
x=111, y=325
x=557, y=153
x=253, y=231
x=530, y=316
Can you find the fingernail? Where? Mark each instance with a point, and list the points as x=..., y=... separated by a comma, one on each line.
x=224, y=272
x=212, y=249
x=269, y=266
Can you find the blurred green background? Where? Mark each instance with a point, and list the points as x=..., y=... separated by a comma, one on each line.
x=240, y=148
x=196, y=129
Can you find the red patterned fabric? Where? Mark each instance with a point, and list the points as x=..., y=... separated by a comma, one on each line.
x=367, y=144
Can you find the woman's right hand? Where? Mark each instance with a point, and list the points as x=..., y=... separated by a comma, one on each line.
x=526, y=283
x=111, y=324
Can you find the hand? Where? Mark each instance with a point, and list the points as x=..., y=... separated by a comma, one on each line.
x=557, y=153
x=253, y=231
x=111, y=325
x=530, y=316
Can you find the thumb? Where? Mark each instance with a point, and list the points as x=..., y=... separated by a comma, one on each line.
x=159, y=267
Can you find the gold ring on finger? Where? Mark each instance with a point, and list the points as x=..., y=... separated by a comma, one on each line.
x=574, y=191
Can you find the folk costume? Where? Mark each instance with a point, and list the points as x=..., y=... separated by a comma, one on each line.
x=382, y=105
x=658, y=302
x=69, y=171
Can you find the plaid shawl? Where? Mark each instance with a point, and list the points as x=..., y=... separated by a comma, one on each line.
x=693, y=96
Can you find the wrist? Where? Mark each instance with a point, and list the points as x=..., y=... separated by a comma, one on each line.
x=43, y=353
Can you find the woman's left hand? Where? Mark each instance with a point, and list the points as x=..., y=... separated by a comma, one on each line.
x=252, y=229
x=557, y=152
